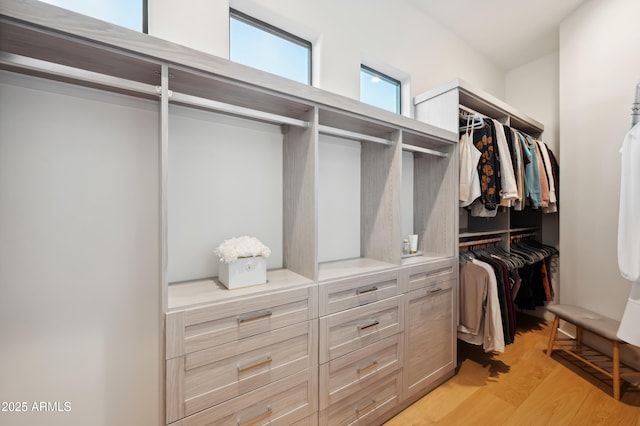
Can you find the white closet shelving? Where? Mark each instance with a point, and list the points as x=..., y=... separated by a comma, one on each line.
x=244, y=152
x=440, y=107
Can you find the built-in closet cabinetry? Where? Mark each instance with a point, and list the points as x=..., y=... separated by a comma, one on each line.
x=441, y=107
x=347, y=330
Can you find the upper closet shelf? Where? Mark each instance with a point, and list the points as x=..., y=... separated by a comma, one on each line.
x=49, y=33
x=484, y=103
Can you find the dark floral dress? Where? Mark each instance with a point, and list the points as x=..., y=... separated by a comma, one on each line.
x=488, y=165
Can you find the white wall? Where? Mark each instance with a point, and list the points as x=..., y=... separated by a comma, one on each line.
x=533, y=89
x=599, y=68
x=344, y=34
x=79, y=282
x=205, y=150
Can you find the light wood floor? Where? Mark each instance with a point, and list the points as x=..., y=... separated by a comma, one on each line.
x=522, y=386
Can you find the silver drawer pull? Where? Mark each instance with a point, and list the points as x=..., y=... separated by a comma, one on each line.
x=369, y=324
x=264, y=361
x=435, y=290
x=373, y=365
x=366, y=408
x=365, y=290
x=257, y=419
x=252, y=316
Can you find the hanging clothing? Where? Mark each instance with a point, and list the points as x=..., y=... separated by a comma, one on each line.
x=507, y=176
x=469, y=157
x=629, y=233
x=555, y=171
x=492, y=335
x=532, y=188
x=474, y=286
x=542, y=176
x=488, y=167
x=552, y=207
x=519, y=204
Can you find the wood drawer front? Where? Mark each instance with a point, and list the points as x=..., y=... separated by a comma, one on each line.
x=434, y=272
x=202, y=379
x=430, y=337
x=336, y=296
x=356, y=328
x=285, y=402
x=200, y=328
x=365, y=408
x=354, y=372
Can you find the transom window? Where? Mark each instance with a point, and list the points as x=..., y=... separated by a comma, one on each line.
x=263, y=46
x=379, y=89
x=130, y=14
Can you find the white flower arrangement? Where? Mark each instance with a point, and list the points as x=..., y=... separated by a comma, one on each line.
x=235, y=248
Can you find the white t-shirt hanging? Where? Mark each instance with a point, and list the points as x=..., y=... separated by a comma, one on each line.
x=629, y=233
x=469, y=179
x=629, y=215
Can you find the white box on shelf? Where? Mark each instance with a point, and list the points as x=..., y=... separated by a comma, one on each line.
x=244, y=272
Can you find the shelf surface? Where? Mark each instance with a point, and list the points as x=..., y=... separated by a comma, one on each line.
x=201, y=292
x=350, y=267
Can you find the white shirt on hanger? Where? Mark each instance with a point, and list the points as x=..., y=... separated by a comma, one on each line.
x=629, y=233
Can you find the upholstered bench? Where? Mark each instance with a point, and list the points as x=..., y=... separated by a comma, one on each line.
x=600, y=325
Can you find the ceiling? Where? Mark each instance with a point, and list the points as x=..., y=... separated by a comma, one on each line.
x=510, y=33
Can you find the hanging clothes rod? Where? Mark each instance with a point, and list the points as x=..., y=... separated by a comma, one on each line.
x=479, y=242
x=26, y=63
x=520, y=236
x=413, y=148
x=470, y=111
x=333, y=131
x=210, y=104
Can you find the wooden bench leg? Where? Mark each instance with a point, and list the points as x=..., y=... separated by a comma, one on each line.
x=616, y=370
x=552, y=335
x=578, y=339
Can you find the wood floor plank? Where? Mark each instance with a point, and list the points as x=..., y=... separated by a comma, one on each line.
x=597, y=410
x=521, y=386
x=481, y=408
x=555, y=401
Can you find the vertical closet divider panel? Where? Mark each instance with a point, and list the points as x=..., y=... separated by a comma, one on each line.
x=381, y=184
x=300, y=197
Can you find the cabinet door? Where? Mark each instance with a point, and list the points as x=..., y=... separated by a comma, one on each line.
x=205, y=378
x=354, y=372
x=430, y=336
x=195, y=329
x=356, y=328
x=420, y=276
x=367, y=407
x=339, y=295
x=282, y=403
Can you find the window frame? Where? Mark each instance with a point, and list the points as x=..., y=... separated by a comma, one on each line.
x=385, y=77
x=278, y=32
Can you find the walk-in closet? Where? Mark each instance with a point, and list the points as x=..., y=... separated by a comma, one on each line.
x=251, y=212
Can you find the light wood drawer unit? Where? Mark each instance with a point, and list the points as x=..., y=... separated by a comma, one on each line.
x=434, y=272
x=430, y=341
x=194, y=329
x=288, y=401
x=354, y=372
x=365, y=408
x=356, y=328
x=336, y=296
x=202, y=379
